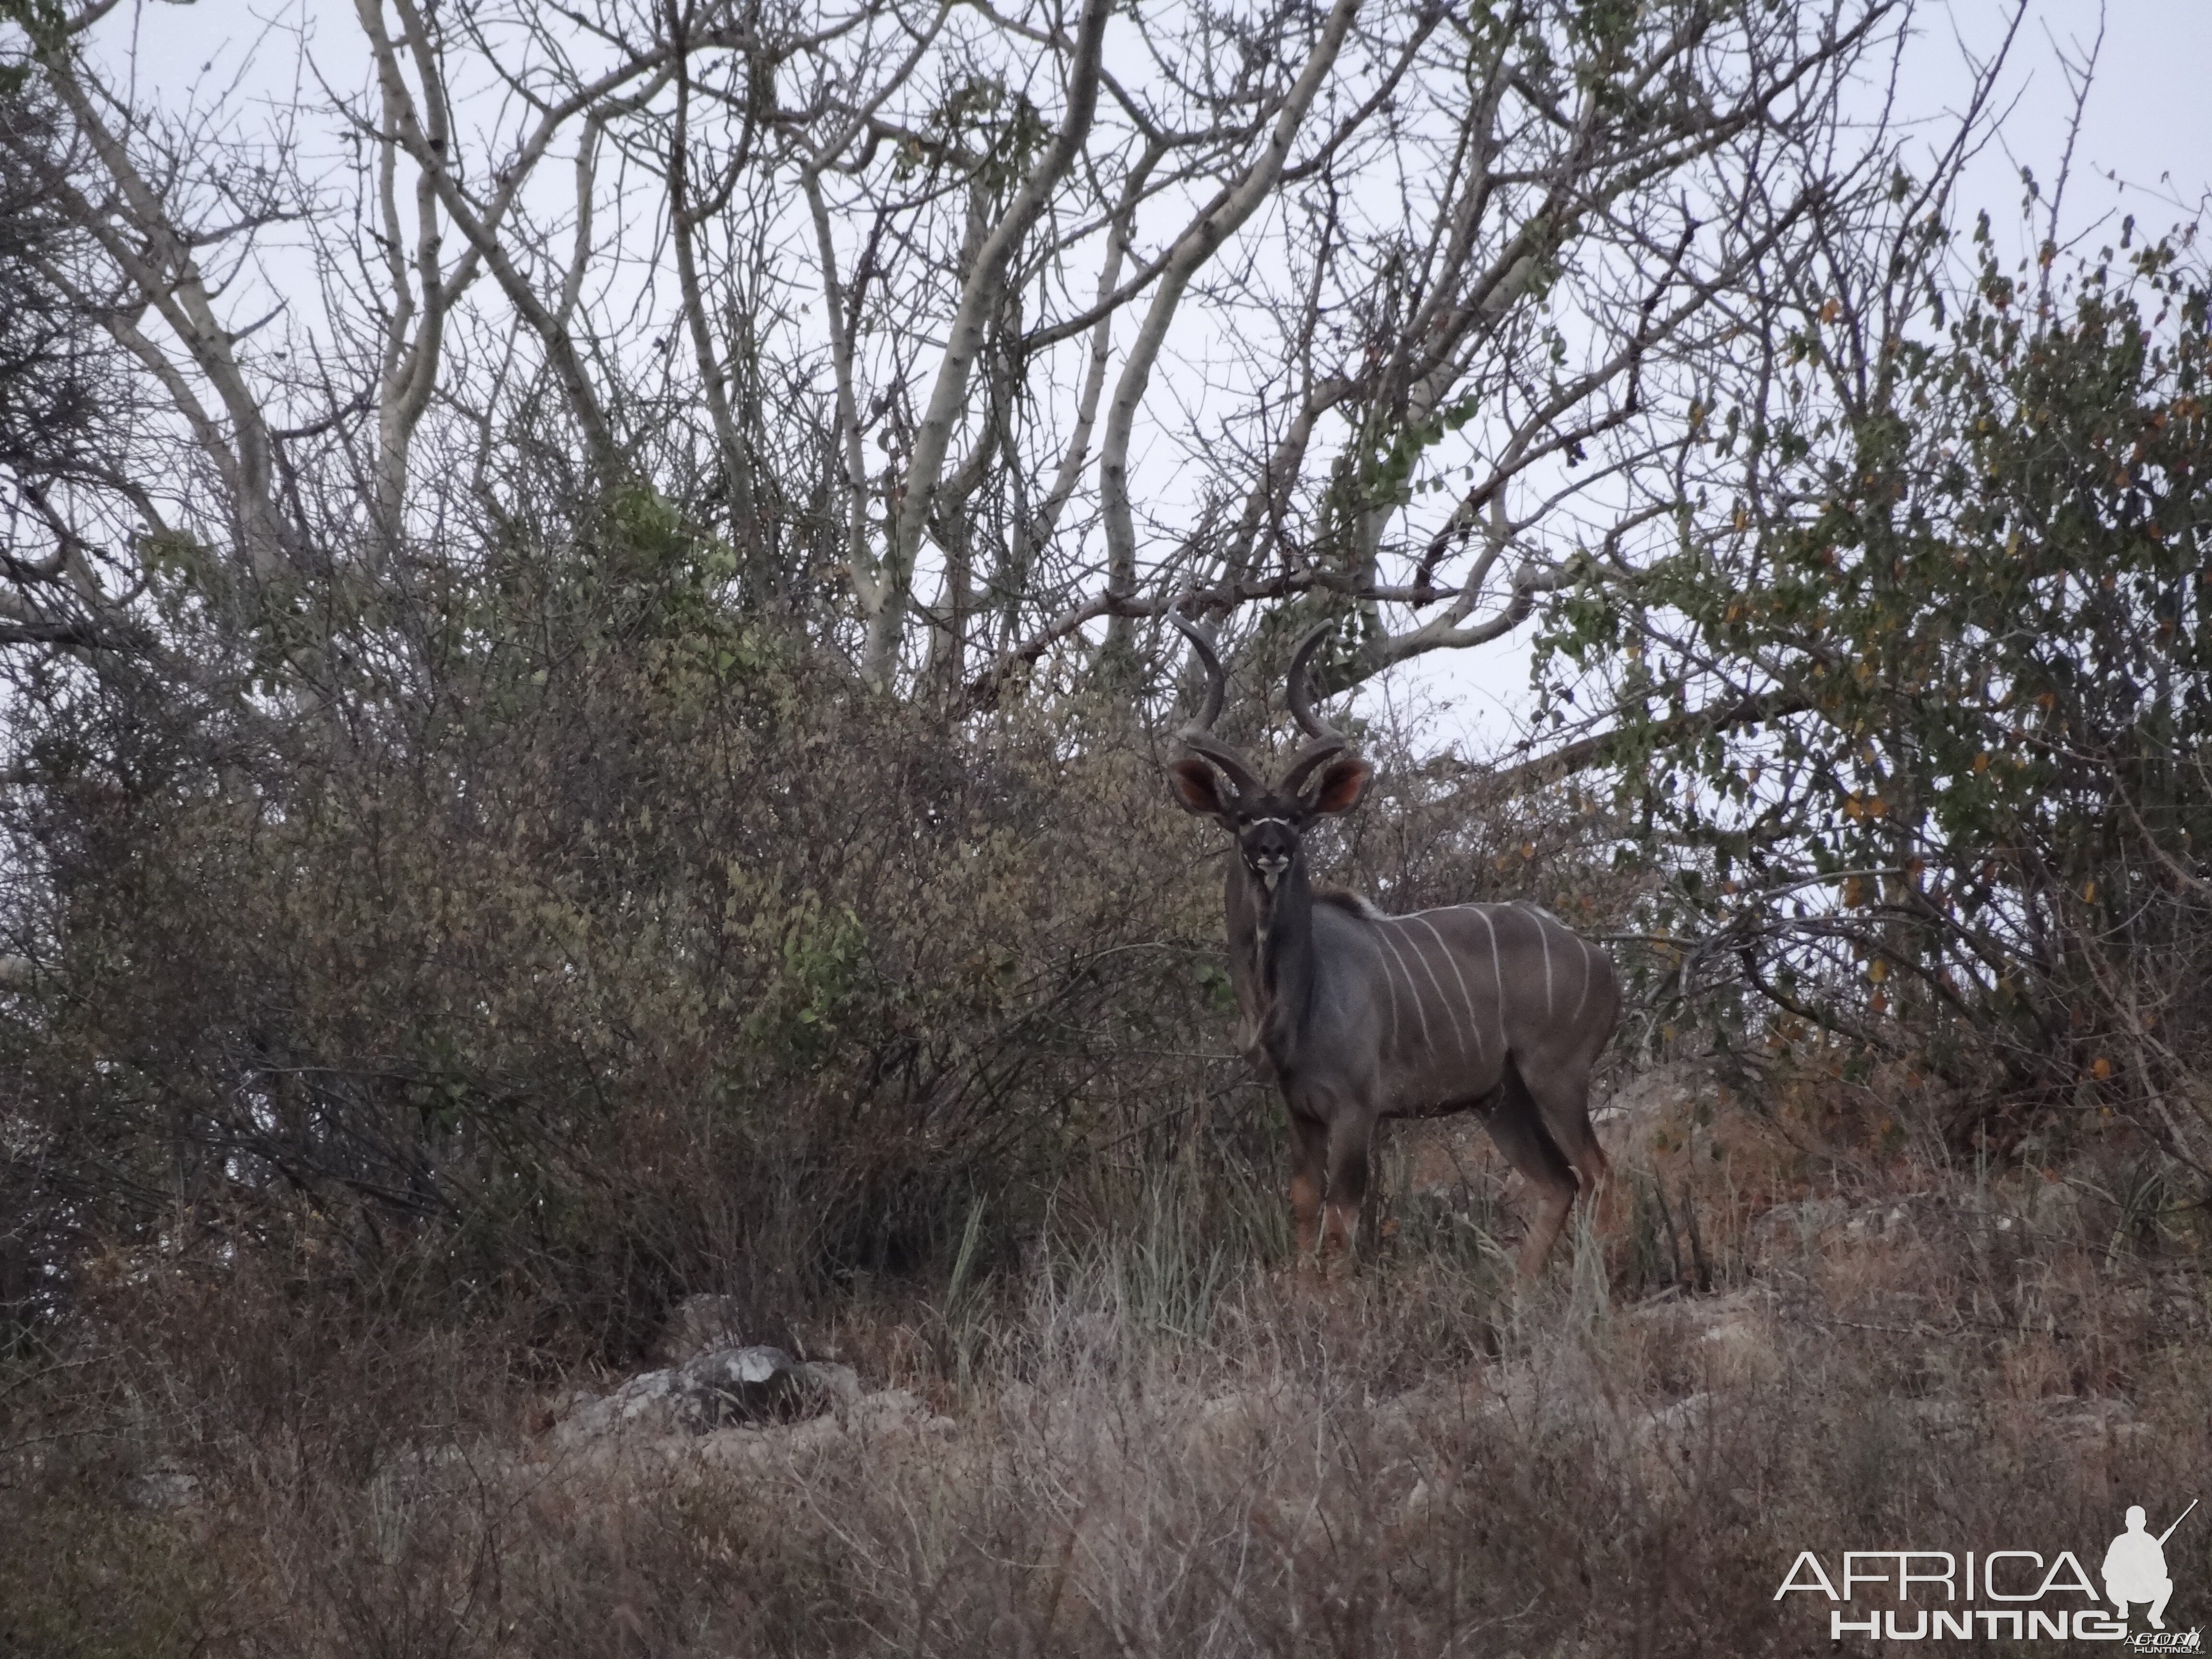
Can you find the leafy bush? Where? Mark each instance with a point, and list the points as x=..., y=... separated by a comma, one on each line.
x=630, y=950
x=1918, y=741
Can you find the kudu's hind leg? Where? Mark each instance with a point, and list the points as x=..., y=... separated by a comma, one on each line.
x=1563, y=1103
x=1516, y=1125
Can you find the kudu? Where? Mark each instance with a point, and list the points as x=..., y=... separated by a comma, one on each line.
x=1497, y=1009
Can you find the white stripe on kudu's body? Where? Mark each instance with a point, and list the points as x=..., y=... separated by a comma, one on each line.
x=1320, y=971
x=1466, y=997
x=1497, y=972
x=1589, y=972
x=1459, y=1031
x=1391, y=986
x=1412, y=989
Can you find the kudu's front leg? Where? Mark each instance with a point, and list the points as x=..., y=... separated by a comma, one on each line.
x=1309, y=1169
x=1350, y=1138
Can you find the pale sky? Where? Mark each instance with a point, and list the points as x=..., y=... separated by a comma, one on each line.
x=2144, y=146
x=2148, y=120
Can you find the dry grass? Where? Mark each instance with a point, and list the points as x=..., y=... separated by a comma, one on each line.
x=1144, y=1435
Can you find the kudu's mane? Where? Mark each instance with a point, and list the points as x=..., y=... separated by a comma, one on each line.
x=1344, y=899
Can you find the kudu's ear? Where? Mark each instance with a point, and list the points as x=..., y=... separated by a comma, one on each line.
x=1197, y=786
x=1343, y=784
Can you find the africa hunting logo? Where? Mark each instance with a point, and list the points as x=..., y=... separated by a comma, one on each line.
x=2033, y=1599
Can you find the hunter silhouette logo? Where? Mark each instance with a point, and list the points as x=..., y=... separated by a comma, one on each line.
x=2135, y=1566
x=2023, y=1595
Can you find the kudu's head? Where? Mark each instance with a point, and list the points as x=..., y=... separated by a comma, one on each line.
x=1215, y=781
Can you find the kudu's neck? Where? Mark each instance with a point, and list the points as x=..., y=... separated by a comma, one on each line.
x=1271, y=949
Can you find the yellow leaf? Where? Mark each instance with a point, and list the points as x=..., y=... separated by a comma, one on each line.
x=1831, y=310
x=2101, y=1068
x=2088, y=892
x=1877, y=971
x=1982, y=761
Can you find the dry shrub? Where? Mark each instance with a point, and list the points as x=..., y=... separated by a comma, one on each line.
x=595, y=947
x=700, y=975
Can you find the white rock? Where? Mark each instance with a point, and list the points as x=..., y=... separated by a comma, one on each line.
x=711, y=1390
